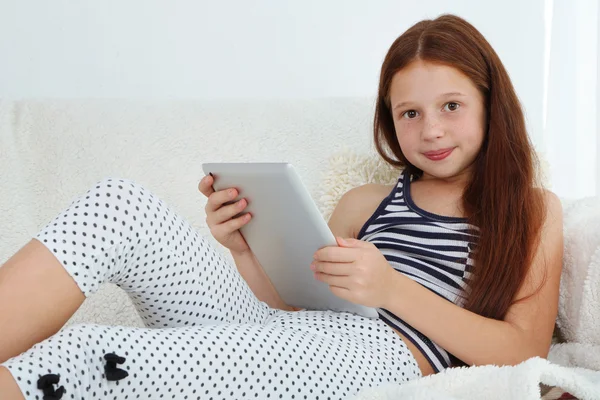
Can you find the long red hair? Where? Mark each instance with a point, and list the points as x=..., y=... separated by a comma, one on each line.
x=503, y=198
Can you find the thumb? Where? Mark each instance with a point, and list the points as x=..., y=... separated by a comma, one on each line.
x=349, y=242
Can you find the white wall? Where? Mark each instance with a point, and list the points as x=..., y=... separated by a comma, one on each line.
x=225, y=48
x=571, y=135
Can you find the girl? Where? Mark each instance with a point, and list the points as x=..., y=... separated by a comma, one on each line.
x=462, y=258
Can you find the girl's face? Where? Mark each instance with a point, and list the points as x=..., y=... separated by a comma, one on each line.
x=439, y=117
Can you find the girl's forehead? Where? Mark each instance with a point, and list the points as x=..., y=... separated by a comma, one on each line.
x=423, y=80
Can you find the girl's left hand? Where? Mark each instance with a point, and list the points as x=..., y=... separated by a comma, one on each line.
x=356, y=271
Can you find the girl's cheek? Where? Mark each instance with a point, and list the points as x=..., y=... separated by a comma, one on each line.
x=406, y=132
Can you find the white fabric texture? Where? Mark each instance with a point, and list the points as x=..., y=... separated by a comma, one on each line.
x=492, y=383
x=51, y=150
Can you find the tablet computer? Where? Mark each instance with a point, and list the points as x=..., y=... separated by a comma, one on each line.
x=285, y=231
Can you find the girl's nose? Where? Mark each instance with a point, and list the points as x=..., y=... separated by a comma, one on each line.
x=432, y=129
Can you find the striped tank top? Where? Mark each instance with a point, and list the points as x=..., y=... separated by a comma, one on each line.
x=431, y=249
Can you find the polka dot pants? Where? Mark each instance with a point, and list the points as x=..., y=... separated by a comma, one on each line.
x=207, y=336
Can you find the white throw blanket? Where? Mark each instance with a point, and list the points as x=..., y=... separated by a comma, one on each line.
x=491, y=382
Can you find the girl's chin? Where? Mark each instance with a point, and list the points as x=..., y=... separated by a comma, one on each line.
x=445, y=172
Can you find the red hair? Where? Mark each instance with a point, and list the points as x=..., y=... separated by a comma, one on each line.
x=501, y=199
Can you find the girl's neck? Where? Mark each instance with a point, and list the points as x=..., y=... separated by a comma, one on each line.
x=455, y=182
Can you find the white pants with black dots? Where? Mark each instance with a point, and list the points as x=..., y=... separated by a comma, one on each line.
x=207, y=336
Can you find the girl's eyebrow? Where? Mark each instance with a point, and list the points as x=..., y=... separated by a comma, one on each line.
x=453, y=94
x=449, y=94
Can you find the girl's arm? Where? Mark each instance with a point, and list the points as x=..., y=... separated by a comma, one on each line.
x=259, y=282
x=524, y=333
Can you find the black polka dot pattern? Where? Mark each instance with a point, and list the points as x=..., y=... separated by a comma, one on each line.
x=207, y=336
x=122, y=233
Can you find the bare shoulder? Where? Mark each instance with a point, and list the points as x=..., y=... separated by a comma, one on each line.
x=554, y=208
x=552, y=240
x=355, y=207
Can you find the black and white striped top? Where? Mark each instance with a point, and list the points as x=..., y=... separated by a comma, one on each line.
x=431, y=249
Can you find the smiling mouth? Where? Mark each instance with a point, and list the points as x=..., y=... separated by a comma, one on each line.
x=438, y=154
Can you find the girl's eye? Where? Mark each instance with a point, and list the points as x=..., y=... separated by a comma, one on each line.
x=451, y=106
x=410, y=114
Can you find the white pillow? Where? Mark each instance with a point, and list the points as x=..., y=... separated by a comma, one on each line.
x=349, y=169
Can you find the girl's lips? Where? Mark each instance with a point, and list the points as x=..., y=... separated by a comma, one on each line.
x=439, y=154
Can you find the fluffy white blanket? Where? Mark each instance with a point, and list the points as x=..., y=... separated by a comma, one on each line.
x=492, y=382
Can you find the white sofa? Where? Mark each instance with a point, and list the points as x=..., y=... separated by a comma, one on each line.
x=53, y=150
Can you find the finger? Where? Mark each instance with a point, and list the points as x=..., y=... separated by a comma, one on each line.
x=336, y=254
x=205, y=185
x=338, y=269
x=217, y=199
x=231, y=210
x=231, y=225
x=333, y=280
x=236, y=223
x=226, y=212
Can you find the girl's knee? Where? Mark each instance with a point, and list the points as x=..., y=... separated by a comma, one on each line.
x=115, y=182
x=121, y=196
x=118, y=189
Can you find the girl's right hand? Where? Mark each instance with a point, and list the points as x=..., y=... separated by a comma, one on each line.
x=219, y=217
